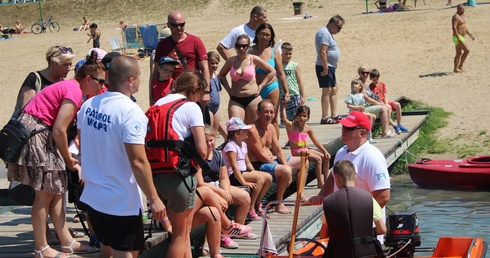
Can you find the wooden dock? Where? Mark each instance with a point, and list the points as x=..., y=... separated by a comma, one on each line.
x=16, y=236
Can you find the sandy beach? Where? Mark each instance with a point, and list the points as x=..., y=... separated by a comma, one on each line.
x=412, y=50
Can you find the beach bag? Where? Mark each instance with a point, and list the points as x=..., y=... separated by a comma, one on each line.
x=13, y=138
x=21, y=194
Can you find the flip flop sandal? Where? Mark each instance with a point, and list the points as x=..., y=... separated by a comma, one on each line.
x=39, y=253
x=324, y=121
x=331, y=121
x=90, y=249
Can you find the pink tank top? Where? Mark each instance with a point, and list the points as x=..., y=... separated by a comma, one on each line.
x=247, y=75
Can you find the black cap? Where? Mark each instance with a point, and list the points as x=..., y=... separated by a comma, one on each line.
x=106, y=61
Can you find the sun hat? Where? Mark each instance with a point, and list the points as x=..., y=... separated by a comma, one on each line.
x=356, y=119
x=167, y=60
x=235, y=124
x=165, y=32
x=100, y=53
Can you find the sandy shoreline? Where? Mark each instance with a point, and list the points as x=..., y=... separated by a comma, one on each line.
x=412, y=50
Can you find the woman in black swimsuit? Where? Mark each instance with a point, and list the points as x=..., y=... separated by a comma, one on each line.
x=244, y=91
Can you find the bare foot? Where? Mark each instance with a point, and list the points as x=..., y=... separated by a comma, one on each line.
x=460, y=69
x=282, y=209
x=456, y=71
x=303, y=197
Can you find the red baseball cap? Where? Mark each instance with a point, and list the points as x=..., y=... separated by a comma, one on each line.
x=356, y=119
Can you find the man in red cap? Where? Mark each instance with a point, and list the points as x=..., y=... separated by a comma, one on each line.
x=370, y=164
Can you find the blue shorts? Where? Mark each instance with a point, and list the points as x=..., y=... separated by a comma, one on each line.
x=268, y=167
x=268, y=89
x=328, y=81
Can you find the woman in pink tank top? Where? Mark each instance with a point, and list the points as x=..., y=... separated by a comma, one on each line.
x=45, y=157
x=244, y=90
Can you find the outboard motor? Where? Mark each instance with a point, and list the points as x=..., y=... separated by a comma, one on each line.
x=402, y=229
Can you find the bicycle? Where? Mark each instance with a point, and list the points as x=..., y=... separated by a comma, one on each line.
x=40, y=26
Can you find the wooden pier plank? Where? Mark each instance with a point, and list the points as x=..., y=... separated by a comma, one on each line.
x=16, y=236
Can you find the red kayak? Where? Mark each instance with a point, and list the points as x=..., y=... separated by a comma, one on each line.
x=468, y=173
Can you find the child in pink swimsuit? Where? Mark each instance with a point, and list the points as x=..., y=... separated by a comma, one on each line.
x=298, y=131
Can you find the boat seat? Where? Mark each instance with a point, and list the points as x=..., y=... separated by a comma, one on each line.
x=456, y=247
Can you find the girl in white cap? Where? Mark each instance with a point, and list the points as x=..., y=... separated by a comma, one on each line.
x=240, y=170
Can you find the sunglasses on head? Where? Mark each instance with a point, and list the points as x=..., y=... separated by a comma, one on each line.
x=100, y=81
x=241, y=45
x=65, y=50
x=175, y=25
x=365, y=73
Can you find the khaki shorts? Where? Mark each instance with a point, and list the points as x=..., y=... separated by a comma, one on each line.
x=177, y=193
x=373, y=110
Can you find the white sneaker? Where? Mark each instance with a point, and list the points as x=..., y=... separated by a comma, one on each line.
x=389, y=134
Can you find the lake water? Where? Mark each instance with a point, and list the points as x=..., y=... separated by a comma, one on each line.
x=442, y=212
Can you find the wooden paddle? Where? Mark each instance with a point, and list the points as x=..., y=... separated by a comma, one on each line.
x=301, y=185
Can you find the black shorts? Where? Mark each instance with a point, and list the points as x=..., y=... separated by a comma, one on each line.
x=234, y=181
x=121, y=233
x=328, y=81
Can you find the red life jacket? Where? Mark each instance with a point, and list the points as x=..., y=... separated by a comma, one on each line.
x=165, y=152
x=162, y=160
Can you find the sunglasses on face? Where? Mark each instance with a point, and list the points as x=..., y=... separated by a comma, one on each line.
x=338, y=27
x=100, y=81
x=351, y=128
x=365, y=73
x=175, y=25
x=265, y=35
x=244, y=46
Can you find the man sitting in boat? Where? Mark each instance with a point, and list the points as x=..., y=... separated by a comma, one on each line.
x=355, y=209
x=368, y=161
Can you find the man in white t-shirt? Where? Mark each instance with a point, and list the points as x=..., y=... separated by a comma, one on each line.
x=112, y=131
x=258, y=15
x=369, y=162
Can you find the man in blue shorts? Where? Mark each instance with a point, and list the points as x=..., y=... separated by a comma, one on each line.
x=328, y=55
x=271, y=160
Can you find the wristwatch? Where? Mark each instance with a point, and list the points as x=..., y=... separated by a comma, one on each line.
x=207, y=92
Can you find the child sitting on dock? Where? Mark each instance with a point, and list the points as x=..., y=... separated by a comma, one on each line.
x=240, y=169
x=379, y=88
x=222, y=187
x=298, y=131
x=356, y=101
